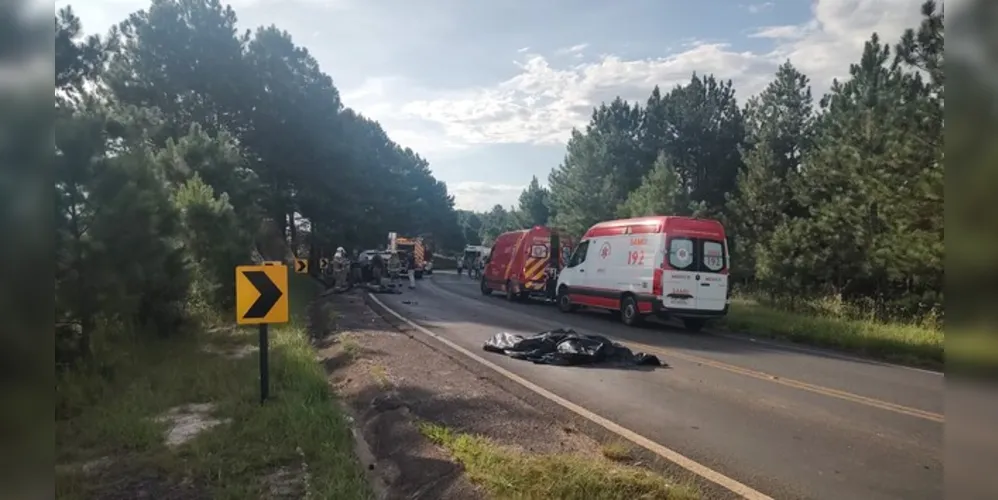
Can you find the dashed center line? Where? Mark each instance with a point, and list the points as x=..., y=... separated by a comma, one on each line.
x=786, y=382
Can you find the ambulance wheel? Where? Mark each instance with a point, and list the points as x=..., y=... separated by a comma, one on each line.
x=694, y=324
x=565, y=304
x=630, y=315
x=485, y=288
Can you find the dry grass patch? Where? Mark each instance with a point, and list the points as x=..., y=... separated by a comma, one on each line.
x=618, y=451
x=506, y=473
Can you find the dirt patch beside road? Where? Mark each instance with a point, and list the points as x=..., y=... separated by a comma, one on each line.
x=429, y=420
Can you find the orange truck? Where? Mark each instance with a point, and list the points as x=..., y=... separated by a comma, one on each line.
x=418, y=247
x=526, y=263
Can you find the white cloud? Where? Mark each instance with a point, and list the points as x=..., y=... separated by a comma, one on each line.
x=482, y=196
x=785, y=32
x=574, y=49
x=759, y=7
x=542, y=102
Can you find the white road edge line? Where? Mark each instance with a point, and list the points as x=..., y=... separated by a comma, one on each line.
x=666, y=453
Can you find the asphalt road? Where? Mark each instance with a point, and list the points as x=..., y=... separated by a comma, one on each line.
x=789, y=422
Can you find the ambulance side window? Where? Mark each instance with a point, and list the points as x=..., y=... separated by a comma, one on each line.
x=713, y=255
x=680, y=253
x=580, y=254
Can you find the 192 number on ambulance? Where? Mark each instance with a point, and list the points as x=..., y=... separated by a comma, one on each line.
x=636, y=258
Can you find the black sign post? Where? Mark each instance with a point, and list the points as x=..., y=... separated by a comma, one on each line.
x=269, y=295
x=264, y=363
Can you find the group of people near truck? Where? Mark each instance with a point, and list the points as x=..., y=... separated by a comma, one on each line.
x=376, y=267
x=472, y=261
x=387, y=267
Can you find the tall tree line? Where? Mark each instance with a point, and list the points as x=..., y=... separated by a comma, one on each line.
x=178, y=138
x=843, y=196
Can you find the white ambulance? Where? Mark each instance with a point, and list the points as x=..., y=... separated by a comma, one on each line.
x=672, y=267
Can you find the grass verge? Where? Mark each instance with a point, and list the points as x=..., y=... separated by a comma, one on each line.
x=506, y=474
x=909, y=344
x=973, y=350
x=113, y=417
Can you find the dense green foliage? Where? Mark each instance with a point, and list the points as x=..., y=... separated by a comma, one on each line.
x=845, y=200
x=178, y=138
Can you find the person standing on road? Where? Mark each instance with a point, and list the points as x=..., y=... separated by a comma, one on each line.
x=411, y=257
x=476, y=268
x=460, y=264
x=377, y=269
x=469, y=264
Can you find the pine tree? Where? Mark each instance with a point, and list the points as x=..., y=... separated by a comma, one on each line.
x=534, y=204
x=865, y=186
x=654, y=127
x=779, y=124
x=496, y=221
x=584, y=189
x=703, y=132
x=660, y=193
x=602, y=166
x=470, y=225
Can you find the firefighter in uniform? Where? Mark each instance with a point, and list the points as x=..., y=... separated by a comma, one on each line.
x=341, y=268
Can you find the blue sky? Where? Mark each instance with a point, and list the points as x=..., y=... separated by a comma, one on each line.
x=489, y=91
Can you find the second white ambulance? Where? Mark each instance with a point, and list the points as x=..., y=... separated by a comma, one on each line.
x=663, y=265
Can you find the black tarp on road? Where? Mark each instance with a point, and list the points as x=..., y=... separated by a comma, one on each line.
x=565, y=347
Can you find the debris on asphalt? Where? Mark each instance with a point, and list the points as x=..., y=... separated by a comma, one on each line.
x=374, y=288
x=565, y=347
